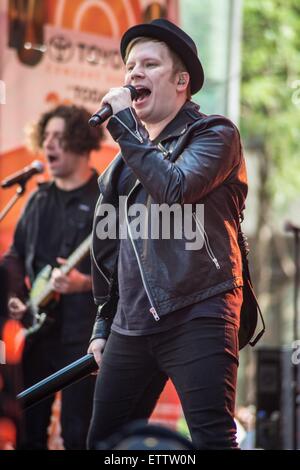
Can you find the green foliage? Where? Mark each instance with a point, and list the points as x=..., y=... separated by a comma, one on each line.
x=270, y=114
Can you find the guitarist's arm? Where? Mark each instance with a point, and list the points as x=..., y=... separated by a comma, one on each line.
x=14, y=259
x=16, y=308
x=18, y=292
x=15, y=267
x=14, y=262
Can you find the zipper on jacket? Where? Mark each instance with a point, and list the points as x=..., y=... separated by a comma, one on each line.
x=166, y=153
x=98, y=267
x=136, y=133
x=154, y=313
x=206, y=242
x=92, y=247
x=152, y=309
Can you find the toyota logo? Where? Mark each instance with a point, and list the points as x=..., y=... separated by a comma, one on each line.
x=60, y=49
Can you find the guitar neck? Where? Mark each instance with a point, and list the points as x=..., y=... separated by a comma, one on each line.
x=75, y=258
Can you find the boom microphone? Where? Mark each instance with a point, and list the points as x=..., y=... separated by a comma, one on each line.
x=20, y=177
x=106, y=111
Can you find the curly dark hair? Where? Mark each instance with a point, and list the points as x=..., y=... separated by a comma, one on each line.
x=79, y=137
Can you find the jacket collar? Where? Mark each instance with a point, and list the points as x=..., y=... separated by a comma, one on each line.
x=188, y=114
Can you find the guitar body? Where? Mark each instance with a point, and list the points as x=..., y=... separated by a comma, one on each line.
x=43, y=298
x=38, y=287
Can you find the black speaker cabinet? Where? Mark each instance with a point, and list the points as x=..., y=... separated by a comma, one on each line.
x=277, y=415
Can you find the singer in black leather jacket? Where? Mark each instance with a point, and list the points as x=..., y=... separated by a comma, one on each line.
x=167, y=306
x=179, y=169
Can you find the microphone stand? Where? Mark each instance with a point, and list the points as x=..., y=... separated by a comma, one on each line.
x=296, y=232
x=296, y=331
x=19, y=192
x=64, y=377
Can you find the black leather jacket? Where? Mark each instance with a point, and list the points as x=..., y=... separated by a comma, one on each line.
x=76, y=310
x=197, y=159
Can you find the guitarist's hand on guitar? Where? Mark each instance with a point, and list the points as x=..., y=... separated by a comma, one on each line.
x=17, y=308
x=97, y=347
x=71, y=283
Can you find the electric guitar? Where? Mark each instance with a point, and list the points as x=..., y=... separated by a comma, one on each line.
x=43, y=297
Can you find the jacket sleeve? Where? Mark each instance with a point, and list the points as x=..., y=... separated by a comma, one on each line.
x=14, y=258
x=104, y=318
x=209, y=157
x=105, y=287
x=14, y=265
x=107, y=309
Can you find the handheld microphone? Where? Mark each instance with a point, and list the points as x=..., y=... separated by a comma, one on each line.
x=106, y=111
x=20, y=177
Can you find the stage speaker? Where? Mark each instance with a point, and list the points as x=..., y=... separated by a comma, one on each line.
x=277, y=422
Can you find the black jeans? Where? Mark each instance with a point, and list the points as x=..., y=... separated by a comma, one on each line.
x=201, y=359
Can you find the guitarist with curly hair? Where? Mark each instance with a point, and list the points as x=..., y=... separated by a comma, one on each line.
x=51, y=249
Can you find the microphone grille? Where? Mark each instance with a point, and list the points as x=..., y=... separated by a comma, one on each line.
x=133, y=91
x=38, y=166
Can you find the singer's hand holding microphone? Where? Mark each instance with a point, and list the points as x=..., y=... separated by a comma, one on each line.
x=114, y=101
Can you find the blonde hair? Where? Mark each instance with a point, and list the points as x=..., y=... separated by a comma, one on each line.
x=178, y=65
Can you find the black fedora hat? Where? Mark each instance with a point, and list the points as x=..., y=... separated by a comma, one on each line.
x=180, y=42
